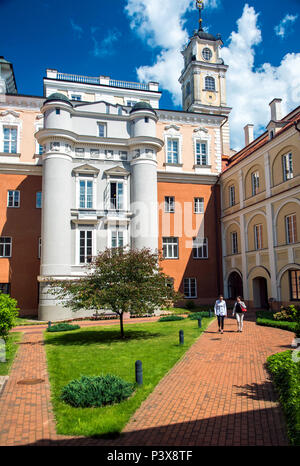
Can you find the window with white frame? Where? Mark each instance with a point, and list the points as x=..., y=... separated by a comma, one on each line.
x=258, y=239
x=76, y=97
x=94, y=153
x=5, y=288
x=172, y=150
x=116, y=190
x=13, y=198
x=85, y=246
x=291, y=228
x=5, y=246
x=234, y=243
x=200, y=248
x=38, y=200
x=287, y=164
x=102, y=130
x=10, y=139
x=231, y=196
x=169, y=204
x=190, y=287
x=79, y=151
x=117, y=239
x=210, y=84
x=198, y=205
x=39, y=248
x=131, y=103
x=255, y=183
x=201, y=153
x=170, y=248
x=40, y=149
x=85, y=193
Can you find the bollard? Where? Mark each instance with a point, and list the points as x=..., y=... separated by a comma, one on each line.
x=49, y=324
x=199, y=323
x=139, y=372
x=181, y=337
x=209, y=313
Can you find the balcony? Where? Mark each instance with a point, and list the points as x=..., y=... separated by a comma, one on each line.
x=102, y=80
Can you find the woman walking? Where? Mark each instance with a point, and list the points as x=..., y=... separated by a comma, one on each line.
x=220, y=312
x=239, y=310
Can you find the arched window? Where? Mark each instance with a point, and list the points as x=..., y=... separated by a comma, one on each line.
x=210, y=84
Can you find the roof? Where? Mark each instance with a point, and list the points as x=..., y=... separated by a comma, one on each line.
x=141, y=106
x=57, y=96
x=206, y=36
x=290, y=119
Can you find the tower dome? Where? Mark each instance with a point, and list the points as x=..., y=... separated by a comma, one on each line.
x=141, y=106
x=58, y=96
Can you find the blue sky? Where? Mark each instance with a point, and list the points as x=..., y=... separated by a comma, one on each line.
x=136, y=39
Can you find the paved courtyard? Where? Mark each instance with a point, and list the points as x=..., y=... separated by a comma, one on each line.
x=219, y=393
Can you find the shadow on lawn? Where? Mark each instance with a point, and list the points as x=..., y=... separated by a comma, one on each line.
x=105, y=336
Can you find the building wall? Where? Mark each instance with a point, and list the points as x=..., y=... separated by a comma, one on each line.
x=23, y=225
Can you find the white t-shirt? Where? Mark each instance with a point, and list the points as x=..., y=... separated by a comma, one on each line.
x=220, y=308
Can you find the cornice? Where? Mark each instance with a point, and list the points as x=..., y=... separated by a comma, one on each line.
x=20, y=169
x=170, y=116
x=186, y=178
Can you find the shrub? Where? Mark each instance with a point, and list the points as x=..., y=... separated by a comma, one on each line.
x=8, y=314
x=190, y=305
x=288, y=314
x=62, y=327
x=286, y=376
x=290, y=326
x=170, y=318
x=96, y=391
x=199, y=315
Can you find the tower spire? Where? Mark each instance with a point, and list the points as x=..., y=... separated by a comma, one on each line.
x=200, y=6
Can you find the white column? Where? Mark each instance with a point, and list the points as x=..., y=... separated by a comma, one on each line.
x=271, y=246
x=267, y=174
x=241, y=189
x=243, y=234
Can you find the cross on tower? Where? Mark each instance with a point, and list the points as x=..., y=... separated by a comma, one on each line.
x=200, y=6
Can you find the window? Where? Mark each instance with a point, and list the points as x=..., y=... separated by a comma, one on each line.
x=109, y=154
x=131, y=103
x=39, y=248
x=200, y=248
x=85, y=246
x=79, y=151
x=188, y=89
x=94, y=153
x=287, y=164
x=231, y=196
x=170, y=248
x=190, y=287
x=234, y=243
x=123, y=154
x=75, y=96
x=201, y=153
x=86, y=194
x=5, y=288
x=5, y=246
x=258, y=240
x=38, y=200
x=146, y=119
x=116, y=195
x=41, y=149
x=291, y=229
x=13, y=199
x=255, y=183
x=10, y=140
x=210, y=84
x=57, y=111
x=207, y=54
x=170, y=204
x=55, y=146
x=172, y=148
x=198, y=205
x=117, y=239
x=101, y=130
x=295, y=284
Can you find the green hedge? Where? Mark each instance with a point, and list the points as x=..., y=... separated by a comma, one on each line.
x=170, y=318
x=95, y=391
x=63, y=327
x=290, y=326
x=199, y=315
x=286, y=376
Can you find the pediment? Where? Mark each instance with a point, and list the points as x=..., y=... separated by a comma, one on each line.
x=117, y=171
x=86, y=168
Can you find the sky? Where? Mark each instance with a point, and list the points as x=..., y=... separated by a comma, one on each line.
x=141, y=40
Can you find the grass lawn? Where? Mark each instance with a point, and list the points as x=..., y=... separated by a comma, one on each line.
x=99, y=350
x=28, y=321
x=11, y=349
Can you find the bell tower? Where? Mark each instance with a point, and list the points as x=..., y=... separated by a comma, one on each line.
x=203, y=78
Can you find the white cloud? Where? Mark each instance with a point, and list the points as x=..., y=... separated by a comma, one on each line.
x=250, y=90
x=149, y=18
x=104, y=47
x=77, y=29
x=283, y=28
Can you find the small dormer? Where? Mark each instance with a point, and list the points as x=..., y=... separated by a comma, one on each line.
x=276, y=122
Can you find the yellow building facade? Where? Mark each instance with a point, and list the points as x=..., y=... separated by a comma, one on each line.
x=260, y=218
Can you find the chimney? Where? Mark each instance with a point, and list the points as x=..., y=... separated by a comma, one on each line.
x=249, y=134
x=276, y=109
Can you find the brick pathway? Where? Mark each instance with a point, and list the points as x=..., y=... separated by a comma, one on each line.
x=218, y=394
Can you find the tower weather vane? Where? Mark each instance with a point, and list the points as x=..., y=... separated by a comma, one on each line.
x=200, y=6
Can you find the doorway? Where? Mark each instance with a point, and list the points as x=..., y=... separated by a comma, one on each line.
x=260, y=293
x=235, y=285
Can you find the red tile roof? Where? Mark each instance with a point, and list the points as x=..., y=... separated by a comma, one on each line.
x=263, y=139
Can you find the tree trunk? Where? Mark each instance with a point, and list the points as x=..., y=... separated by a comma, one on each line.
x=121, y=324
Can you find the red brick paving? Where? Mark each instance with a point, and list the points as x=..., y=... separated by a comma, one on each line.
x=219, y=393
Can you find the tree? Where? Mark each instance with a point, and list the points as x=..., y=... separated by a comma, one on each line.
x=120, y=280
x=8, y=314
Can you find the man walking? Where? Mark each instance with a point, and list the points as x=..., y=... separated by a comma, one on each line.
x=220, y=312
